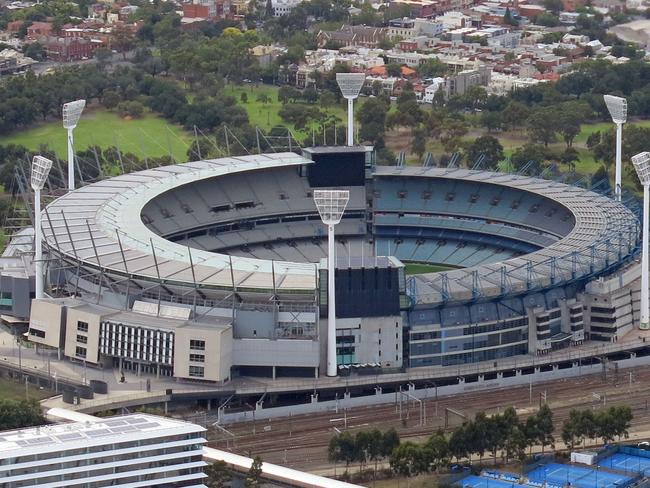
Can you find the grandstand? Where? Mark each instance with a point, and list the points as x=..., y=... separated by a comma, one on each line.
x=234, y=248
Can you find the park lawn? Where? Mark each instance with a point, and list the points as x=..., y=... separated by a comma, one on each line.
x=588, y=129
x=149, y=135
x=265, y=115
x=14, y=390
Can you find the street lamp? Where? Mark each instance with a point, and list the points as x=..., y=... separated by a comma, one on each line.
x=350, y=85
x=40, y=169
x=331, y=204
x=617, y=107
x=71, y=115
x=642, y=166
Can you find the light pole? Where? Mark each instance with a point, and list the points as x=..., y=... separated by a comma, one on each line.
x=40, y=169
x=642, y=166
x=350, y=85
x=331, y=205
x=71, y=115
x=617, y=107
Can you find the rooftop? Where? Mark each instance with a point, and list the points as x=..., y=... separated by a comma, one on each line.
x=86, y=434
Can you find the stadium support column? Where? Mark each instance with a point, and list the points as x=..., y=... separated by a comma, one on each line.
x=70, y=160
x=617, y=107
x=350, y=122
x=331, y=302
x=331, y=205
x=645, y=302
x=619, y=163
x=350, y=85
x=642, y=166
x=71, y=114
x=40, y=170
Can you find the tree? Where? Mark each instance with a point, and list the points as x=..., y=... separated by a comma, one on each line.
x=454, y=128
x=372, y=118
x=516, y=443
x=35, y=51
x=489, y=147
x=253, y=478
x=439, y=449
x=419, y=143
x=110, y=99
x=123, y=39
x=432, y=68
x=554, y=6
x=410, y=459
x=530, y=152
x=394, y=69
x=544, y=421
x=542, y=124
x=218, y=475
x=390, y=442
x=243, y=97
x=19, y=414
x=508, y=18
x=515, y=114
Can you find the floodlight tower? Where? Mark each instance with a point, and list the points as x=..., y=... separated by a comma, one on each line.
x=642, y=166
x=40, y=169
x=71, y=115
x=331, y=204
x=350, y=85
x=617, y=107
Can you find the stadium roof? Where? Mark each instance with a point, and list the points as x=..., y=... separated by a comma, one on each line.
x=100, y=226
x=604, y=228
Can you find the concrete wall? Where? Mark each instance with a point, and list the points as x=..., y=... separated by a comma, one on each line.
x=48, y=317
x=218, y=352
x=383, y=398
x=280, y=352
x=71, y=331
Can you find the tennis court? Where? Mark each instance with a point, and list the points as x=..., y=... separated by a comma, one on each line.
x=626, y=462
x=563, y=474
x=478, y=482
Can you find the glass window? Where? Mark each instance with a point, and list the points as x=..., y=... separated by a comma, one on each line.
x=82, y=339
x=82, y=326
x=197, y=358
x=197, y=371
x=197, y=345
x=80, y=352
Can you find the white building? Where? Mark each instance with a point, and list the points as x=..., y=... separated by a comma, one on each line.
x=431, y=90
x=283, y=7
x=133, y=450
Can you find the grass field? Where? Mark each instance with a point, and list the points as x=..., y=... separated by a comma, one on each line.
x=13, y=390
x=265, y=115
x=418, y=268
x=150, y=135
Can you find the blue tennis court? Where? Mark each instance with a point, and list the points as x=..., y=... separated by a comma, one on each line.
x=563, y=474
x=626, y=462
x=478, y=482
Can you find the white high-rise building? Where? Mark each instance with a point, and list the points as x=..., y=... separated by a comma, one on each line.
x=134, y=450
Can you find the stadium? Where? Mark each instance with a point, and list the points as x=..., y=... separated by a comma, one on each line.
x=215, y=269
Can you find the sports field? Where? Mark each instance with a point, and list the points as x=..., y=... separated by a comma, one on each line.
x=563, y=474
x=626, y=463
x=150, y=135
x=419, y=268
x=480, y=482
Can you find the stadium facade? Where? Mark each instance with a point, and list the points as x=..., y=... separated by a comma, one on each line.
x=217, y=268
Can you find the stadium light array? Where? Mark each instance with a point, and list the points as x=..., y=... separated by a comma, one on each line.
x=617, y=107
x=40, y=170
x=71, y=114
x=350, y=85
x=641, y=164
x=331, y=205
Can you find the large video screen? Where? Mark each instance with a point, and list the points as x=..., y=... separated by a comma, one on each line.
x=337, y=169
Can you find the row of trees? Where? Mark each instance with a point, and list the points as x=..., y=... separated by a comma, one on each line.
x=219, y=474
x=20, y=414
x=363, y=447
x=604, y=424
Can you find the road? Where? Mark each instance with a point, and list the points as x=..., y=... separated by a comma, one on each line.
x=301, y=441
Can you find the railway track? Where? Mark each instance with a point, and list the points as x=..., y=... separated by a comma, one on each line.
x=301, y=441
